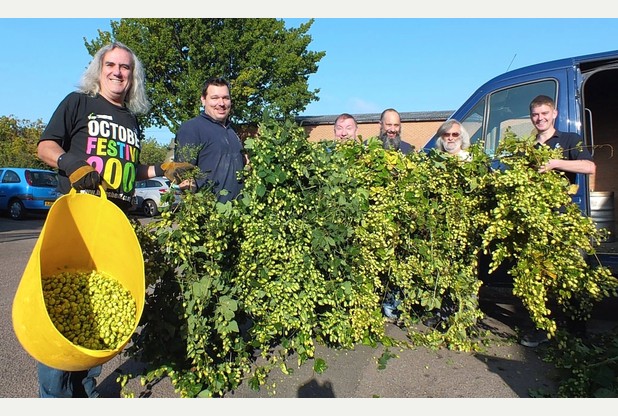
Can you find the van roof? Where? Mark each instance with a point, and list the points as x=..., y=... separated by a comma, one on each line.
x=581, y=60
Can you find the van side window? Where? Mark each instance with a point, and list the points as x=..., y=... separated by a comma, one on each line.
x=505, y=108
x=510, y=107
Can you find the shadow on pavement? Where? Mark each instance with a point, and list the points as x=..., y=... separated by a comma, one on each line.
x=524, y=375
x=527, y=373
x=313, y=389
x=110, y=388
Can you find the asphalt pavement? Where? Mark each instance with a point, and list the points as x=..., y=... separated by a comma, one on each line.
x=504, y=370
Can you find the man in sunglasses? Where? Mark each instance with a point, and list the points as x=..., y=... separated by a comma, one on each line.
x=454, y=139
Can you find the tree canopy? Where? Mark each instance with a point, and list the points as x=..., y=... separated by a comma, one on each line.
x=267, y=65
x=18, y=142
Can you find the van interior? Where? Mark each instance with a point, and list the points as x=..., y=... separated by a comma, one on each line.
x=600, y=106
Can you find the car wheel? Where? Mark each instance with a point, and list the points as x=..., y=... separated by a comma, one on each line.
x=17, y=210
x=150, y=208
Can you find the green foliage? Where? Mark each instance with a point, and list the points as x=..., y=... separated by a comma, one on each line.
x=153, y=153
x=18, y=143
x=324, y=230
x=590, y=366
x=319, y=366
x=535, y=222
x=267, y=64
x=386, y=355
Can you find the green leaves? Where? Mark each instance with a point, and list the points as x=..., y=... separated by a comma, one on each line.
x=227, y=307
x=535, y=224
x=384, y=358
x=323, y=232
x=319, y=366
x=18, y=142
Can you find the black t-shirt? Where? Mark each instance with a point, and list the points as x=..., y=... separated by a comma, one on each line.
x=569, y=143
x=105, y=135
x=216, y=149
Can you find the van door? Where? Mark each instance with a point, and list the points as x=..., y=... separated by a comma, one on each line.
x=599, y=110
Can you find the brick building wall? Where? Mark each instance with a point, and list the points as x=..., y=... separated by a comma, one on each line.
x=417, y=133
x=416, y=127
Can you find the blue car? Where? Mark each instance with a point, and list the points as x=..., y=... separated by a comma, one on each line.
x=27, y=190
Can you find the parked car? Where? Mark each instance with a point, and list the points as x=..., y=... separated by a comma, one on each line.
x=148, y=195
x=27, y=190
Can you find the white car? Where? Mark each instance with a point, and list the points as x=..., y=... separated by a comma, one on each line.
x=148, y=195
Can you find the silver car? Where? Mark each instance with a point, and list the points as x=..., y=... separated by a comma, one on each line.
x=148, y=195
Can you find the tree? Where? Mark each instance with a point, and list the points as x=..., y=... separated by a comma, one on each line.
x=18, y=143
x=153, y=153
x=268, y=66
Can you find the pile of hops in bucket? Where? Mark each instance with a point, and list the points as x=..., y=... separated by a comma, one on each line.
x=90, y=309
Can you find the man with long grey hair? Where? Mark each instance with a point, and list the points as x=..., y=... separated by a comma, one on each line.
x=94, y=140
x=454, y=139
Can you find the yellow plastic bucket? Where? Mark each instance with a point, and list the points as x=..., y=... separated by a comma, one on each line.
x=82, y=232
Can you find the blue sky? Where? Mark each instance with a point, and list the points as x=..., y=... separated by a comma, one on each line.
x=411, y=64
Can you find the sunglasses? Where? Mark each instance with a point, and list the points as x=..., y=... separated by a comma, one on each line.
x=454, y=135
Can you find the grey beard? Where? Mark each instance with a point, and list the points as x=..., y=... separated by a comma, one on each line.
x=390, y=144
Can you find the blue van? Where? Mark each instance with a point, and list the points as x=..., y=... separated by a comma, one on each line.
x=27, y=190
x=585, y=89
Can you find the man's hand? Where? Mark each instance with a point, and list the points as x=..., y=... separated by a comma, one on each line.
x=80, y=173
x=174, y=170
x=188, y=184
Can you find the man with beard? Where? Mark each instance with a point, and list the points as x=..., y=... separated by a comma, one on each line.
x=390, y=132
x=390, y=135
x=454, y=139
